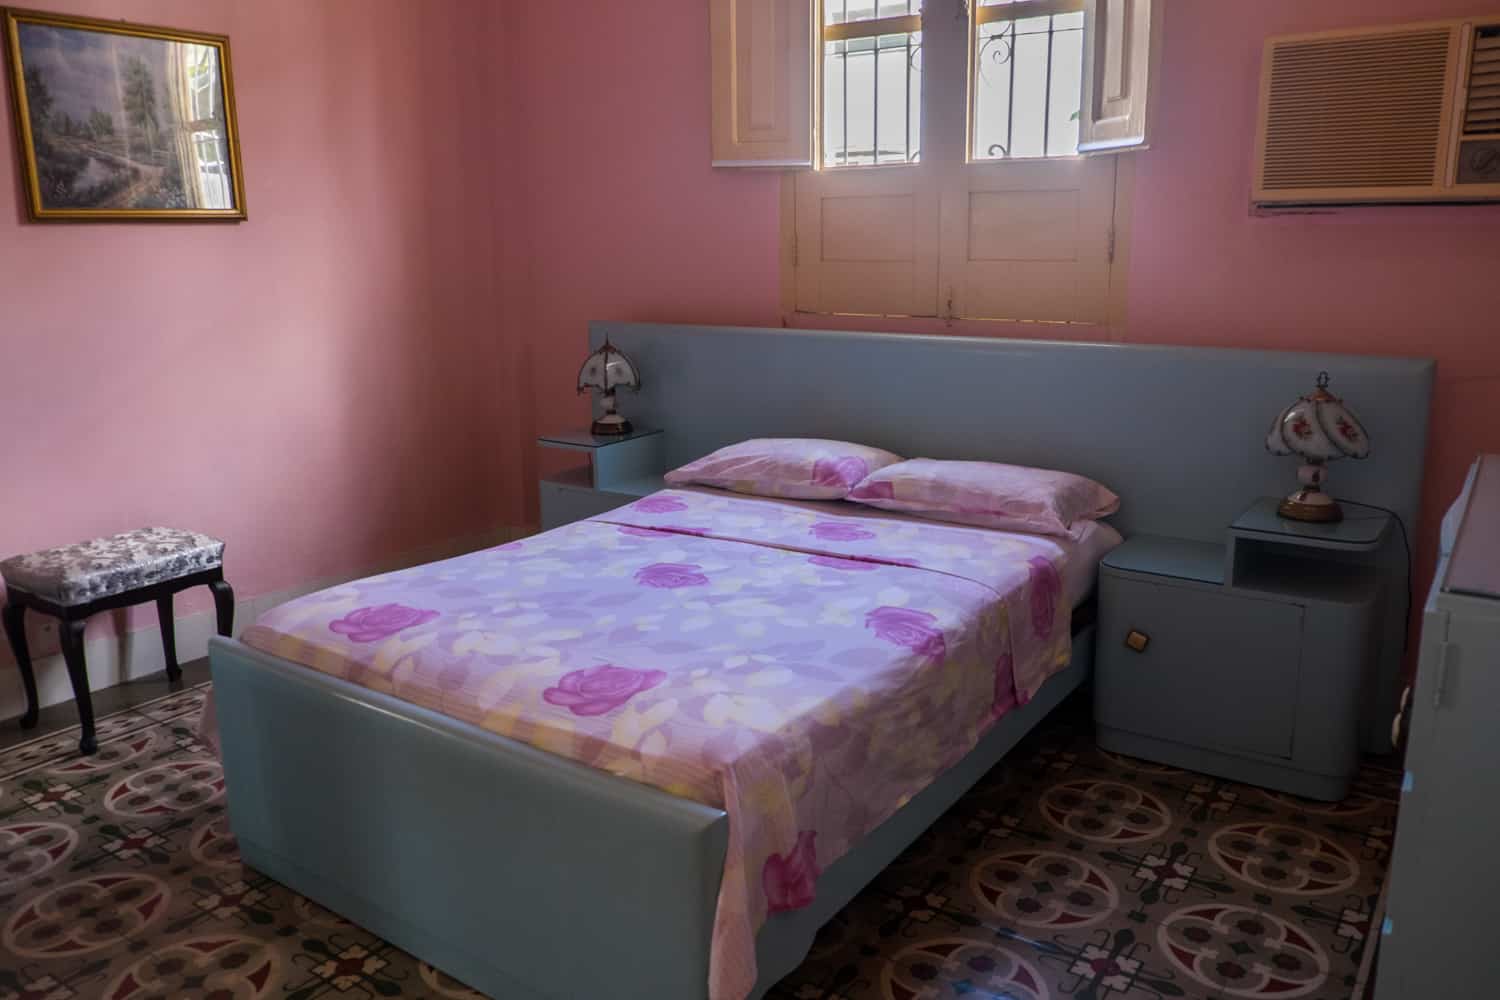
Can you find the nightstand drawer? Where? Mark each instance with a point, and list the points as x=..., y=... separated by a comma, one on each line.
x=562, y=504
x=1216, y=670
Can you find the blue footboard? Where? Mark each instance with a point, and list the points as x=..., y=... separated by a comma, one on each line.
x=520, y=873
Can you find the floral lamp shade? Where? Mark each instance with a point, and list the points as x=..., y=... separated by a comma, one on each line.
x=1319, y=428
x=604, y=371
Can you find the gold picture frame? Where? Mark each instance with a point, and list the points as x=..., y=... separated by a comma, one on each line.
x=123, y=122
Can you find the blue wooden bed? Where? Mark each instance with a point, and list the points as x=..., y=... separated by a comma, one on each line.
x=529, y=876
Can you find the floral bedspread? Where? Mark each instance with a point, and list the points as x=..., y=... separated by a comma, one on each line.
x=806, y=672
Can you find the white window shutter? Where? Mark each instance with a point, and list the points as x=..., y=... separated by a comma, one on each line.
x=1120, y=41
x=1030, y=240
x=762, y=82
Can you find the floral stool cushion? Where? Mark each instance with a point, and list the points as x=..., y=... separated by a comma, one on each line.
x=104, y=567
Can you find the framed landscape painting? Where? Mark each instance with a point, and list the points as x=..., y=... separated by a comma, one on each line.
x=123, y=121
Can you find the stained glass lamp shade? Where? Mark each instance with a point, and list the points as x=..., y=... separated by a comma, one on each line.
x=1319, y=428
x=606, y=370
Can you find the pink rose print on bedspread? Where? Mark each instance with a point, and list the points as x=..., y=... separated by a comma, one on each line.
x=670, y=576
x=596, y=690
x=1046, y=588
x=791, y=880
x=379, y=622
x=909, y=628
x=839, y=472
x=832, y=531
x=659, y=505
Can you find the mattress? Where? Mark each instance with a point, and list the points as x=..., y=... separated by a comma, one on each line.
x=806, y=668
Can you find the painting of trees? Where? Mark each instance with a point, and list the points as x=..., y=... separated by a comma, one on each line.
x=125, y=121
x=38, y=100
x=140, y=99
x=101, y=124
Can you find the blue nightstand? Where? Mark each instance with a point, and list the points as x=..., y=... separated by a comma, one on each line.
x=618, y=470
x=1249, y=659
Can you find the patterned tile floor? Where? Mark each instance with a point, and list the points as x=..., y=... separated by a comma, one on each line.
x=1072, y=872
x=1067, y=873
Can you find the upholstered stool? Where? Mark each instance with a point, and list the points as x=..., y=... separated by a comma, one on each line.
x=75, y=581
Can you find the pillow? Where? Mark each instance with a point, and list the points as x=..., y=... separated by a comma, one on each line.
x=988, y=494
x=795, y=468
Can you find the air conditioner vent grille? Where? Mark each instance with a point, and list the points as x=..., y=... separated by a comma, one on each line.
x=1362, y=111
x=1482, y=111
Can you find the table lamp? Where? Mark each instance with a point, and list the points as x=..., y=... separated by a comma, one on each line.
x=606, y=370
x=1319, y=428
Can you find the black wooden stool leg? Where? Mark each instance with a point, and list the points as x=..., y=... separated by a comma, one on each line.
x=168, y=625
x=71, y=633
x=223, y=605
x=15, y=630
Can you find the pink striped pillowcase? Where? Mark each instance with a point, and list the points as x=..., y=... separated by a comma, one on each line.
x=794, y=468
x=988, y=495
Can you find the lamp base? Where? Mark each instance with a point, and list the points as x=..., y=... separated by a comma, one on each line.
x=609, y=425
x=1311, y=505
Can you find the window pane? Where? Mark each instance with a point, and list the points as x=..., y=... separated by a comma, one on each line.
x=859, y=106
x=1028, y=128
x=1066, y=98
x=834, y=134
x=1028, y=77
x=872, y=96
x=845, y=11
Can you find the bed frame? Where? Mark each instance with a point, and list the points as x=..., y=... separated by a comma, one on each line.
x=503, y=865
x=529, y=876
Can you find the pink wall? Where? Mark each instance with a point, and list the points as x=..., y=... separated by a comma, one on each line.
x=1411, y=281
x=317, y=385
x=442, y=195
x=637, y=226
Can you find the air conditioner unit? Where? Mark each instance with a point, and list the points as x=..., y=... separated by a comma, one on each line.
x=1406, y=113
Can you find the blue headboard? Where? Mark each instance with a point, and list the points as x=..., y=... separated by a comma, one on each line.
x=1177, y=431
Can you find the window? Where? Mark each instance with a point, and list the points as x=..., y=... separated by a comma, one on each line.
x=872, y=82
x=941, y=146
x=209, y=145
x=1027, y=78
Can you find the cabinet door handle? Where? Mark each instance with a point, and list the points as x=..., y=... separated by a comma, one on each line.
x=1137, y=640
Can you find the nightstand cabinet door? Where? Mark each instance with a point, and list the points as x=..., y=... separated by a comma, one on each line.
x=1216, y=670
x=565, y=504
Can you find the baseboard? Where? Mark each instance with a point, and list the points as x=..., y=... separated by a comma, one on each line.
x=114, y=659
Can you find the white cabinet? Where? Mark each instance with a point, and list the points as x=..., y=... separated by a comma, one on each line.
x=1438, y=938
